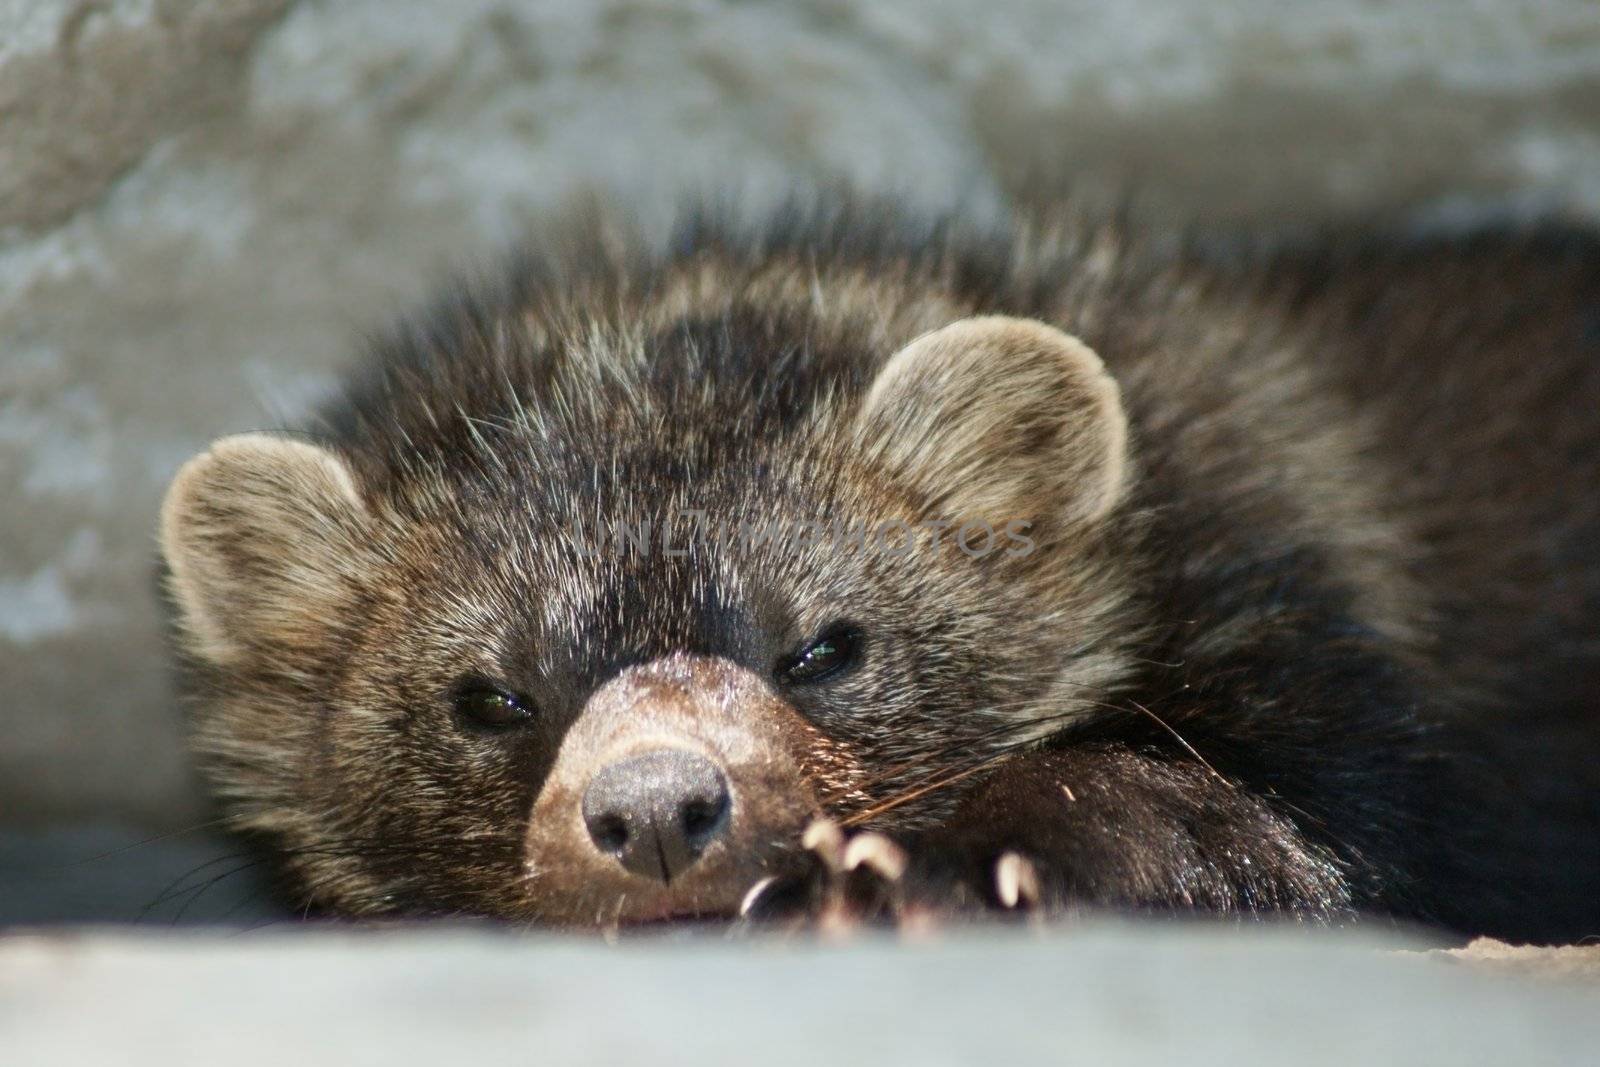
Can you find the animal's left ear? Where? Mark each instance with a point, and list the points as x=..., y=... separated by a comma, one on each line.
x=1000, y=418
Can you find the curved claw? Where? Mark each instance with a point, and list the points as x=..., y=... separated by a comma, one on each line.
x=878, y=854
x=1016, y=881
x=753, y=896
x=824, y=838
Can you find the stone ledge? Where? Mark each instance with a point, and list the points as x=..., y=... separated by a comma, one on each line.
x=1157, y=995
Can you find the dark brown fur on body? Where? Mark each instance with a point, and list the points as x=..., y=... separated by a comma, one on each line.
x=1311, y=627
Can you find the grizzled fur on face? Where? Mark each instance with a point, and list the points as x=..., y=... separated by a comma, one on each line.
x=1221, y=636
x=546, y=498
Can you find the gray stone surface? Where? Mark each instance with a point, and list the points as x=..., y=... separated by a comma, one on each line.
x=87, y=88
x=203, y=206
x=1158, y=996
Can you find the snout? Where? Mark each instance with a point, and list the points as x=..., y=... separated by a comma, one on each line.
x=656, y=814
x=681, y=783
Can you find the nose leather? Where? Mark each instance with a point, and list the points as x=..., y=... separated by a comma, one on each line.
x=656, y=814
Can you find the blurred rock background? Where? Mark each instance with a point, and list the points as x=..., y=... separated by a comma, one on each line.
x=204, y=205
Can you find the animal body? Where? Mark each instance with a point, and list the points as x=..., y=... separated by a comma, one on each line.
x=842, y=567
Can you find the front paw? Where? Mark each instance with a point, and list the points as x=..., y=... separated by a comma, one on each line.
x=913, y=884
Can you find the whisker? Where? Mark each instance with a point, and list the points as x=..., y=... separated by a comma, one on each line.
x=1187, y=747
x=175, y=890
x=1031, y=726
x=119, y=850
x=172, y=891
x=906, y=798
x=201, y=891
x=1025, y=726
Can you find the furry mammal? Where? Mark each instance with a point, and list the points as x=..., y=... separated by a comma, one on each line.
x=1300, y=615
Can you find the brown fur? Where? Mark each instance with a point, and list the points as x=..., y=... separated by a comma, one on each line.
x=1305, y=524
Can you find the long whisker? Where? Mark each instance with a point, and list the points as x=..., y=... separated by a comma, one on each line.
x=176, y=888
x=201, y=890
x=944, y=776
x=119, y=850
x=906, y=798
x=1187, y=747
x=1029, y=727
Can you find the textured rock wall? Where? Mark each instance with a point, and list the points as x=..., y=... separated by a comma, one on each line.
x=204, y=204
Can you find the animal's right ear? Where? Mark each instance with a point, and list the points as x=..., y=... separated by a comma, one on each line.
x=260, y=534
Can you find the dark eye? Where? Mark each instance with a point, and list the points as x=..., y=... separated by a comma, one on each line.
x=488, y=705
x=826, y=657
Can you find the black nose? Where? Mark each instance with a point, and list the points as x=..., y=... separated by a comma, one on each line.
x=656, y=813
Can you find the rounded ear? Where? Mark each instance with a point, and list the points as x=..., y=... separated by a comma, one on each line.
x=1000, y=418
x=260, y=534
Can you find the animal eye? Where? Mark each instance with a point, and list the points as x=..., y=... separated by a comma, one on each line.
x=828, y=656
x=487, y=705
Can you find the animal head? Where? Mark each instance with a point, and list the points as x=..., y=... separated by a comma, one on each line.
x=583, y=627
